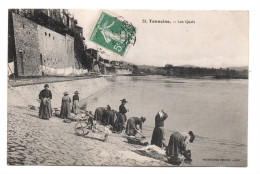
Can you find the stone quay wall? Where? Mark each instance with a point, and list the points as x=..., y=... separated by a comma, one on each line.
x=27, y=95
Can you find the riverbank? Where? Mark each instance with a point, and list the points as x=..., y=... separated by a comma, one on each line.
x=27, y=94
x=33, y=141
x=209, y=149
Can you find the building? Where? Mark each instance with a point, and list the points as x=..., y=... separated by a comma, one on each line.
x=45, y=38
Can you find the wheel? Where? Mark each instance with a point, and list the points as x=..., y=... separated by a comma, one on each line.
x=81, y=128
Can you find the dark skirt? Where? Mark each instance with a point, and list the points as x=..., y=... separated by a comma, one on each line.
x=158, y=136
x=45, y=111
x=111, y=117
x=99, y=112
x=130, y=127
x=121, y=118
x=65, y=110
x=176, y=145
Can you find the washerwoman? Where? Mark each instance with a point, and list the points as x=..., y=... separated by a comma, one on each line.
x=65, y=106
x=45, y=96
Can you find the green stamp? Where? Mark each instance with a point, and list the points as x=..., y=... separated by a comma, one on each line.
x=113, y=34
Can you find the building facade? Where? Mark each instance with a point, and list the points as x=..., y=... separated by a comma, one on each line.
x=36, y=46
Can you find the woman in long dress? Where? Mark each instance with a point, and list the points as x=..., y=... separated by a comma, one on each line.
x=75, y=101
x=158, y=132
x=131, y=126
x=45, y=111
x=65, y=106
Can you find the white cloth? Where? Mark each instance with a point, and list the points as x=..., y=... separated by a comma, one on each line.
x=96, y=68
x=61, y=72
x=10, y=68
x=68, y=71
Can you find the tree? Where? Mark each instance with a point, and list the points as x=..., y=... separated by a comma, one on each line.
x=136, y=69
x=168, y=66
x=148, y=71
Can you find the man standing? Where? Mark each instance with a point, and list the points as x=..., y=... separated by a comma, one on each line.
x=158, y=132
x=75, y=103
x=45, y=111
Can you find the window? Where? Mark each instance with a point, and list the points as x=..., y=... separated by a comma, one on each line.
x=23, y=26
x=45, y=34
x=53, y=37
x=49, y=35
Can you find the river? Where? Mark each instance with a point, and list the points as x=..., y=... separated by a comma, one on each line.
x=215, y=110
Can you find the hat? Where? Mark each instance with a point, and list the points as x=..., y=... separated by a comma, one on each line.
x=124, y=100
x=143, y=119
x=46, y=85
x=66, y=93
x=76, y=92
x=192, y=136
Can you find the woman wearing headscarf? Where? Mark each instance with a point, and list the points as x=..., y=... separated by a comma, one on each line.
x=65, y=106
x=131, y=126
x=158, y=131
x=75, y=101
x=45, y=96
x=177, y=146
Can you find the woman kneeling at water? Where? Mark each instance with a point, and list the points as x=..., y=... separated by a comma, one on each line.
x=131, y=126
x=177, y=146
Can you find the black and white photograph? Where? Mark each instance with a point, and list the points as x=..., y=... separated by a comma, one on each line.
x=125, y=87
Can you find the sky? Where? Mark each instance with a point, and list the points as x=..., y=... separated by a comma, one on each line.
x=216, y=39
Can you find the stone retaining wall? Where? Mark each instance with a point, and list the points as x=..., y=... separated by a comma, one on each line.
x=27, y=95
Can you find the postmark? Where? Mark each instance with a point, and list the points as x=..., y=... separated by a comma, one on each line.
x=113, y=33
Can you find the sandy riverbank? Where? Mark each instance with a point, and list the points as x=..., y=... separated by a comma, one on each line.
x=33, y=141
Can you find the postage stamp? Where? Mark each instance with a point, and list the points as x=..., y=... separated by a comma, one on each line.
x=113, y=33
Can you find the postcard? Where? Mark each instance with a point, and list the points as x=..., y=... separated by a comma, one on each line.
x=127, y=88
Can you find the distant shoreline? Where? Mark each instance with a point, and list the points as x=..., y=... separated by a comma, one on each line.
x=188, y=76
x=193, y=72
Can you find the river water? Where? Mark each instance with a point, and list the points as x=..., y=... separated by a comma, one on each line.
x=215, y=110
